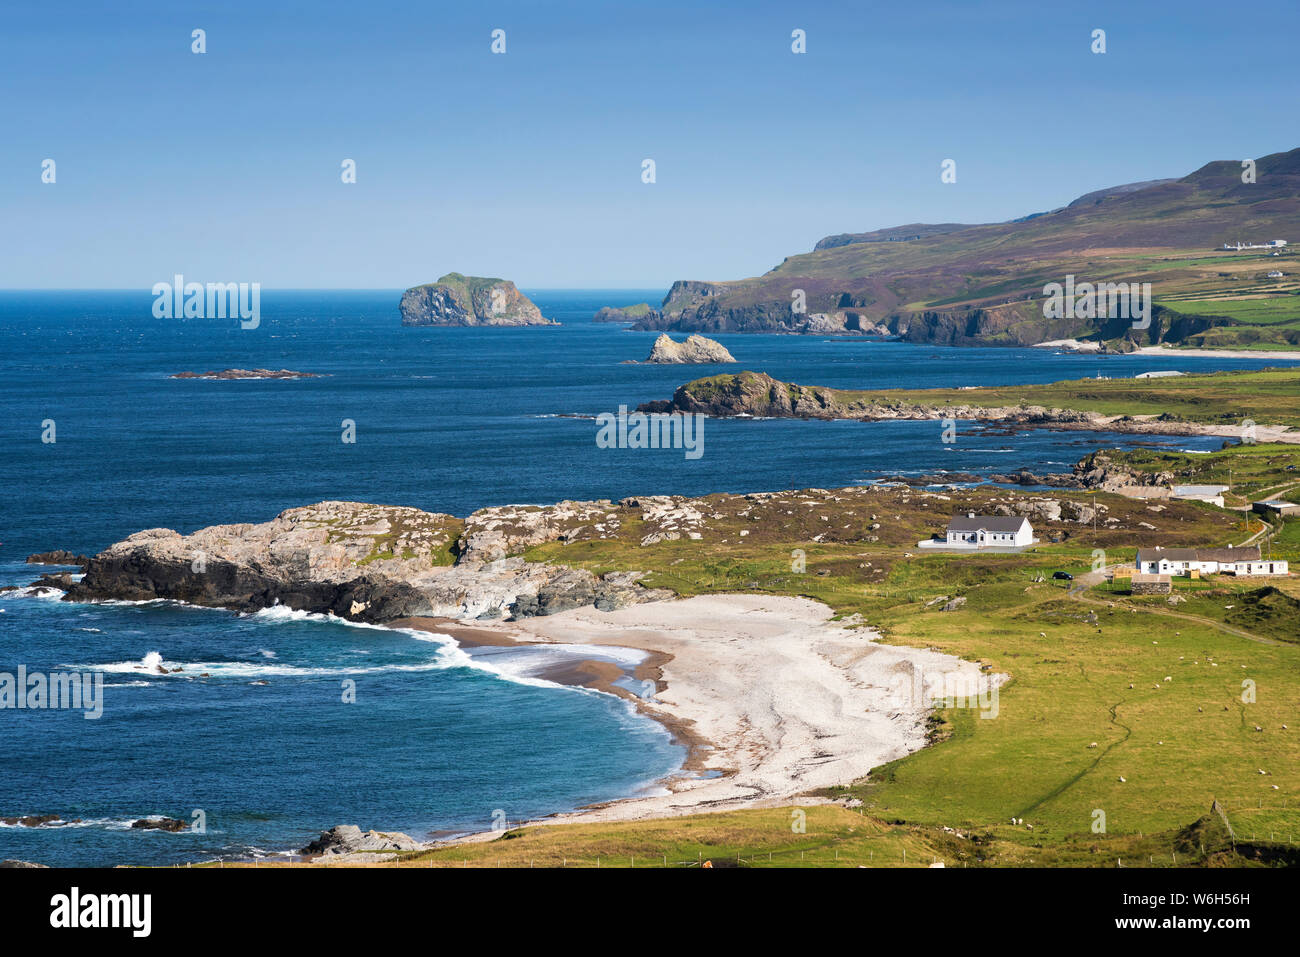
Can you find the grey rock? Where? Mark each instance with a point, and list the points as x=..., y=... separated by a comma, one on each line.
x=350, y=839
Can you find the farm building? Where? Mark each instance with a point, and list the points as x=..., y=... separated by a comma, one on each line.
x=1200, y=493
x=1276, y=507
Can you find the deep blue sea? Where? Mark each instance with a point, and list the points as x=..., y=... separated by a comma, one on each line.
x=446, y=420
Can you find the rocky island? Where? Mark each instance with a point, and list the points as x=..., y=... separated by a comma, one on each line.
x=456, y=300
x=637, y=313
x=696, y=350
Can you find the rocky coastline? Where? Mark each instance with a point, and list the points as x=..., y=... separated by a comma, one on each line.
x=756, y=394
x=376, y=564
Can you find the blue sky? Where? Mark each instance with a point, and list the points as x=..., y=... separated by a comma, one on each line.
x=225, y=166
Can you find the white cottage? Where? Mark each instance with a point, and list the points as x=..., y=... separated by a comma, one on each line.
x=983, y=531
x=1208, y=561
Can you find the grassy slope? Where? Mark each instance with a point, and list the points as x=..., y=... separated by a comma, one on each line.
x=1165, y=235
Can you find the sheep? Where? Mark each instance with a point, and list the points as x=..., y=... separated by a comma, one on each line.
x=1121, y=779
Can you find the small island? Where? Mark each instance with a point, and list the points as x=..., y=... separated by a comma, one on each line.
x=456, y=300
x=641, y=311
x=696, y=350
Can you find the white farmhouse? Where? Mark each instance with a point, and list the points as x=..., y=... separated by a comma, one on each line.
x=983, y=531
x=1208, y=561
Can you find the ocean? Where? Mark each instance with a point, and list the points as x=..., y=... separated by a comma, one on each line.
x=253, y=733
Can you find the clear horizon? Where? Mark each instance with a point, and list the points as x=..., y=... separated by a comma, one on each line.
x=226, y=165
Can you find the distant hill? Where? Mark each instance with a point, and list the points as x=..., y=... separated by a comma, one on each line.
x=982, y=284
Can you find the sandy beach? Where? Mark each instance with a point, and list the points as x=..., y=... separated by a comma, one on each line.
x=1283, y=355
x=1077, y=345
x=772, y=698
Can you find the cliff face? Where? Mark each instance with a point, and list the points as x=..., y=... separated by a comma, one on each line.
x=693, y=306
x=456, y=300
x=696, y=349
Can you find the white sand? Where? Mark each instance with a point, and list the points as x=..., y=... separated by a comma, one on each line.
x=789, y=700
x=1283, y=356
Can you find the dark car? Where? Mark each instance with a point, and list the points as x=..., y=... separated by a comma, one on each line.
x=1063, y=576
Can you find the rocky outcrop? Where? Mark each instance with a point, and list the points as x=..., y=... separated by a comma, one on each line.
x=169, y=824
x=695, y=350
x=247, y=374
x=456, y=300
x=58, y=557
x=34, y=820
x=1097, y=471
x=368, y=563
x=350, y=839
x=12, y=864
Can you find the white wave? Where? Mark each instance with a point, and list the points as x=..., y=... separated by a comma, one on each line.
x=163, y=668
x=37, y=591
x=110, y=823
x=278, y=612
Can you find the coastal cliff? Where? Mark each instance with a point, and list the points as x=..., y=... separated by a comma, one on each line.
x=983, y=284
x=456, y=300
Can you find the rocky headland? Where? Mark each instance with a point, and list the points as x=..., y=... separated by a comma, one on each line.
x=376, y=564
x=456, y=300
x=756, y=394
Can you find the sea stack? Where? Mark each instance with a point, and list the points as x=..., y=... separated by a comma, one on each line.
x=456, y=300
x=696, y=350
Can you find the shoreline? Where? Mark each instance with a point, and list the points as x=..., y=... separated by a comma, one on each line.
x=772, y=698
x=1094, y=348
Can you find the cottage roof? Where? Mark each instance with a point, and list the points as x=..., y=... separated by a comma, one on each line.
x=1245, y=553
x=989, y=523
x=1168, y=554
